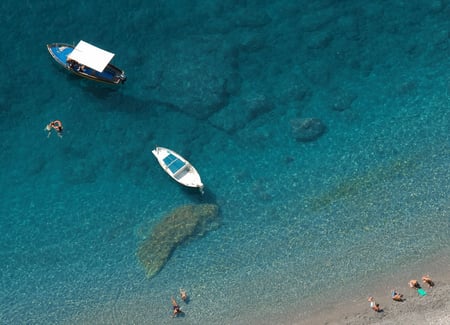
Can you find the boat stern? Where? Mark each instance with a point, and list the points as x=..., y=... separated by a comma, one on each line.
x=122, y=77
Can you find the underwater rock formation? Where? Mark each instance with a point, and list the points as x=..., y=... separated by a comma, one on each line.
x=189, y=80
x=175, y=228
x=307, y=129
x=342, y=100
x=239, y=113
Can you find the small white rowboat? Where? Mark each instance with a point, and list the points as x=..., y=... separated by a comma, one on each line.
x=178, y=168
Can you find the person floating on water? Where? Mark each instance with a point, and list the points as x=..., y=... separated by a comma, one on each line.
x=426, y=279
x=376, y=307
x=396, y=296
x=183, y=295
x=54, y=125
x=176, y=308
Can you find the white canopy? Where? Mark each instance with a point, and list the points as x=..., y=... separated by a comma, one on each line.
x=91, y=56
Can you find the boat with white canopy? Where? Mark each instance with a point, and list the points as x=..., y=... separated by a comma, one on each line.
x=88, y=61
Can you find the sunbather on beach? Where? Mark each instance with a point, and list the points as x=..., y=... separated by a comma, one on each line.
x=183, y=295
x=396, y=296
x=176, y=308
x=426, y=279
x=414, y=284
x=374, y=305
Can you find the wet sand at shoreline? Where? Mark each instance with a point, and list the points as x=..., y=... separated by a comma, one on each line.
x=434, y=308
x=431, y=309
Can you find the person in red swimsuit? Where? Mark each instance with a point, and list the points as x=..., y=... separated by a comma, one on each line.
x=54, y=125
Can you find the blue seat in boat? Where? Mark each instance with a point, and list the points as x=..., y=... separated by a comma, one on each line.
x=169, y=159
x=173, y=163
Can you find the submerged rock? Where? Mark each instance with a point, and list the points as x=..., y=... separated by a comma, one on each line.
x=175, y=228
x=342, y=100
x=307, y=129
x=192, y=79
x=238, y=114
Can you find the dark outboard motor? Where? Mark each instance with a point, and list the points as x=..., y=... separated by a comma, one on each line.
x=123, y=78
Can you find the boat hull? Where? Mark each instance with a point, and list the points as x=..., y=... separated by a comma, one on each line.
x=178, y=168
x=110, y=75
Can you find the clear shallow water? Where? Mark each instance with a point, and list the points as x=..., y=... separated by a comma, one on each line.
x=367, y=195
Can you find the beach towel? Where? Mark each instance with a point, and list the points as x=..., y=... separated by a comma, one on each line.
x=421, y=292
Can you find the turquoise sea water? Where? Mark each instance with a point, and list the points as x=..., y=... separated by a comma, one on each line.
x=221, y=85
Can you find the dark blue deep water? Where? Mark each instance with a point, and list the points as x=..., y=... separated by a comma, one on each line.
x=234, y=86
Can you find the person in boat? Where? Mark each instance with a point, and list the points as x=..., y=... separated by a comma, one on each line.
x=54, y=125
x=414, y=284
x=74, y=65
x=427, y=280
x=176, y=308
x=71, y=63
x=376, y=307
x=396, y=296
x=183, y=295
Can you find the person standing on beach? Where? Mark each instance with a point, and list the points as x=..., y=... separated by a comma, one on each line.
x=376, y=307
x=426, y=279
